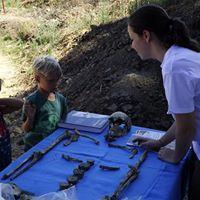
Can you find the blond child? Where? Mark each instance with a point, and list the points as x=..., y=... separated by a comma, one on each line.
x=43, y=108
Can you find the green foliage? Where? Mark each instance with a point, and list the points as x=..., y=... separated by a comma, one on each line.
x=103, y=16
x=25, y=41
x=51, y=26
x=12, y=3
x=137, y=3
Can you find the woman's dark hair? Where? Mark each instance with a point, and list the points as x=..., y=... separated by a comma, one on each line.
x=168, y=30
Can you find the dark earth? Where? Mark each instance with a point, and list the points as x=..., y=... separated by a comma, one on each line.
x=103, y=75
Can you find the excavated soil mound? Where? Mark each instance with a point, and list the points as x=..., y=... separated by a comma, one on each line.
x=103, y=75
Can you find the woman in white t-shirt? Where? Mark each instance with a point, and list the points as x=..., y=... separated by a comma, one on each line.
x=155, y=35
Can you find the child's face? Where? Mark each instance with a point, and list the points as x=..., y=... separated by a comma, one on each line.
x=49, y=82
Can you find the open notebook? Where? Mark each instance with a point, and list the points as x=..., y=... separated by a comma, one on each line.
x=85, y=121
x=148, y=134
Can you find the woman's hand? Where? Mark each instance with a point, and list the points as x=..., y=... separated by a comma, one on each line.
x=167, y=155
x=149, y=144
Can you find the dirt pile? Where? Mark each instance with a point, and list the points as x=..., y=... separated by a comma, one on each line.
x=102, y=74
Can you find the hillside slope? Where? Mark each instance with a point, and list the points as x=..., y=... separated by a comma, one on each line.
x=102, y=74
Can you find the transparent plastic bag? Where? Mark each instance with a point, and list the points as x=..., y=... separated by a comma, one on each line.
x=69, y=194
x=8, y=193
x=134, y=198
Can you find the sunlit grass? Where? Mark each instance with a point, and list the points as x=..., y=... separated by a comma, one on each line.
x=32, y=29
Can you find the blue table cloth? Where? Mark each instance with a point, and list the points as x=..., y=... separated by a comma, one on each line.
x=157, y=179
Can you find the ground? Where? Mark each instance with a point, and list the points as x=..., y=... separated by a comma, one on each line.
x=9, y=75
x=103, y=75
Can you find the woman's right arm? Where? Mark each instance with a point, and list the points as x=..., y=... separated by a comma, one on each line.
x=169, y=136
x=155, y=145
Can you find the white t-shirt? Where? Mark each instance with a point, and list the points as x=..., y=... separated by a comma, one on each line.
x=181, y=79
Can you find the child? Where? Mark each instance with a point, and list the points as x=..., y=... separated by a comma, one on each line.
x=7, y=105
x=43, y=108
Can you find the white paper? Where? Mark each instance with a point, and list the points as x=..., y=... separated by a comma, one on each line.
x=155, y=135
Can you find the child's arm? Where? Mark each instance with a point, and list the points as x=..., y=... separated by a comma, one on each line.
x=27, y=125
x=29, y=112
x=8, y=105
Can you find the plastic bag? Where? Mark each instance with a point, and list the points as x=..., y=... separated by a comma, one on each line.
x=8, y=193
x=134, y=198
x=69, y=194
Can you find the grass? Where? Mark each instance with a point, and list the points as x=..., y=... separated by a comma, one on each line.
x=40, y=27
x=25, y=40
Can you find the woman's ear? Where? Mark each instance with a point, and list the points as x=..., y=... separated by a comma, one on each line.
x=146, y=36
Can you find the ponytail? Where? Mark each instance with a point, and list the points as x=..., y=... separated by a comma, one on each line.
x=178, y=34
x=168, y=30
